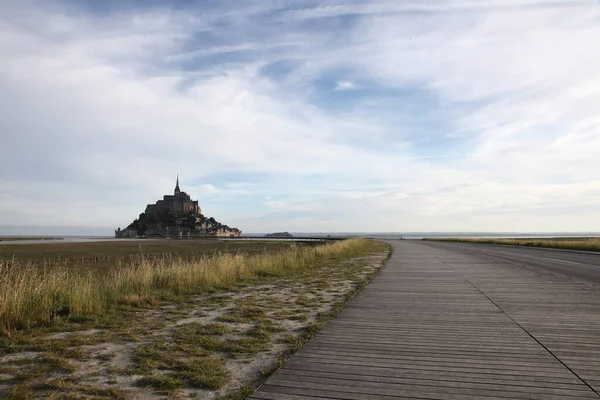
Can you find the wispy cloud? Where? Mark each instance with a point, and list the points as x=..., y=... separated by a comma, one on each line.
x=470, y=115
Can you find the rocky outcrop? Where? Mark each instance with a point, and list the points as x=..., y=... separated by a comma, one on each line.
x=280, y=234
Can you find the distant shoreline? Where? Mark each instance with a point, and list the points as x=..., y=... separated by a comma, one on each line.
x=15, y=239
x=22, y=239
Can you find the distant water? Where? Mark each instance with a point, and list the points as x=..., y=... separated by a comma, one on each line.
x=423, y=235
x=382, y=235
x=57, y=239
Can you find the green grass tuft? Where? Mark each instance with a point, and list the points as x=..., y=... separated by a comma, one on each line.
x=162, y=382
x=203, y=373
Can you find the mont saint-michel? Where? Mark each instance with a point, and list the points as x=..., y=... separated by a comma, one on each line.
x=176, y=216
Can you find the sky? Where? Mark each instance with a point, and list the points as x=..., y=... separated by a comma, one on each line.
x=304, y=116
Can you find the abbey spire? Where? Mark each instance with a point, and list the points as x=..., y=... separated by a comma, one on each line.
x=177, y=190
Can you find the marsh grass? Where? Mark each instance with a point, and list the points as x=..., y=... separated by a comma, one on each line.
x=586, y=244
x=31, y=296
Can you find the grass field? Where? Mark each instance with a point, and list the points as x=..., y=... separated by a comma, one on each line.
x=7, y=238
x=214, y=327
x=30, y=295
x=586, y=244
x=111, y=253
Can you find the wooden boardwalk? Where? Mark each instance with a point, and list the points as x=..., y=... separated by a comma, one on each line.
x=441, y=324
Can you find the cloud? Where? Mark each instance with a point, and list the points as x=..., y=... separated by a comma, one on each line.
x=209, y=189
x=345, y=85
x=275, y=204
x=470, y=115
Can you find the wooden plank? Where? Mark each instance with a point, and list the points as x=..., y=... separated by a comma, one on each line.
x=355, y=393
x=487, y=382
x=433, y=358
x=431, y=375
x=280, y=396
x=426, y=386
x=556, y=373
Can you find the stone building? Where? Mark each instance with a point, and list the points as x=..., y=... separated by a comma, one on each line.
x=178, y=204
x=178, y=216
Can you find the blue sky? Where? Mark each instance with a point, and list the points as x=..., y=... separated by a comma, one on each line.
x=439, y=115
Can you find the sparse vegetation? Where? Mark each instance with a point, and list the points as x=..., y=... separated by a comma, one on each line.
x=586, y=244
x=221, y=339
x=31, y=296
x=241, y=394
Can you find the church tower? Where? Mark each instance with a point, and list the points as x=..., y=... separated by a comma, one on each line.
x=177, y=203
x=177, y=186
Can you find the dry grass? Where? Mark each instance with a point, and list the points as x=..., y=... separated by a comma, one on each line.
x=30, y=296
x=587, y=244
x=107, y=254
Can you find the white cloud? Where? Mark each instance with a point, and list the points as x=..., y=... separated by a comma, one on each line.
x=345, y=85
x=275, y=204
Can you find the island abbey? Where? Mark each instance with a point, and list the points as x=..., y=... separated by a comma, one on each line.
x=177, y=204
x=178, y=216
